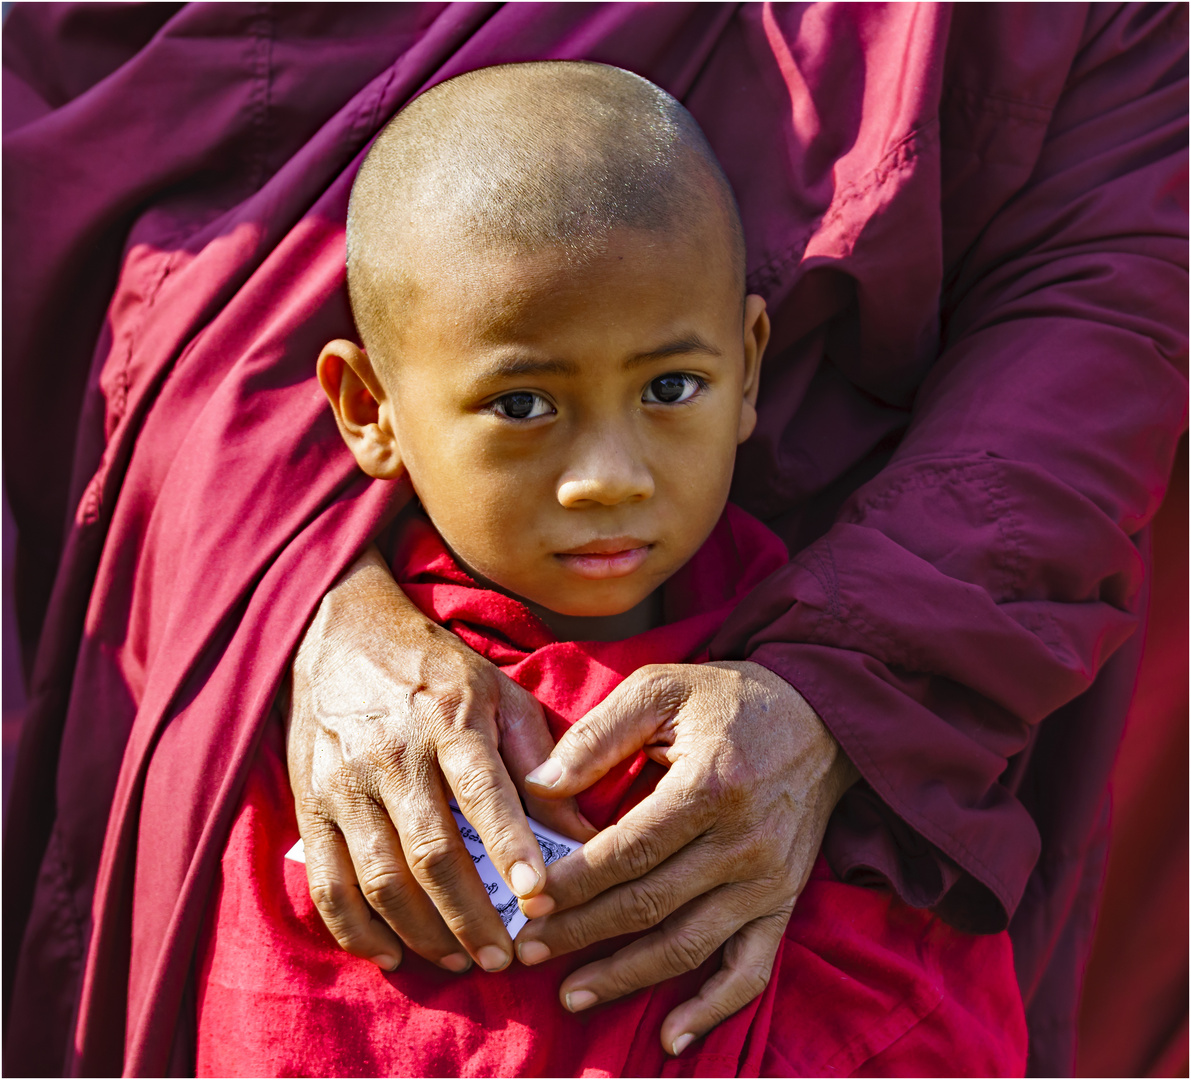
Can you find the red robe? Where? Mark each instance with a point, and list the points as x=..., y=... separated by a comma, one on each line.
x=970, y=225
x=863, y=984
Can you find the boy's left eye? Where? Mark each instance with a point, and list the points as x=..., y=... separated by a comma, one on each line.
x=673, y=388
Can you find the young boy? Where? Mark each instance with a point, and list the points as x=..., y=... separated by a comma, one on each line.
x=547, y=270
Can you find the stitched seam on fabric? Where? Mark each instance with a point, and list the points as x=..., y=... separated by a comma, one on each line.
x=903, y=154
x=987, y=477
x=911, y=1004
x=900, y=157
x=921, y=825
x=820, y=564
x=1030, y=111
x=1010, y=529
x=75, y=917
x=834, y=610
x=261, y=95
x=91, y=503
x=367, y=116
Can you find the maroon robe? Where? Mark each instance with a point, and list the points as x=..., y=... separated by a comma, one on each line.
x=970, y=226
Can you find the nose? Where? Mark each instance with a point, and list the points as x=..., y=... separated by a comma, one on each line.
x=606, y=470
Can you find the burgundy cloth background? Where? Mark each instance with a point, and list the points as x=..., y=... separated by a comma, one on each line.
x=998, y=187
x=1133, y=1016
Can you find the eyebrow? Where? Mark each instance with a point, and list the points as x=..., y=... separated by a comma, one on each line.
x=512, y=367
x=690, y=343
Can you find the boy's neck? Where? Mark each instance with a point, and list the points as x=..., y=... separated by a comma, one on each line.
x=645, y=616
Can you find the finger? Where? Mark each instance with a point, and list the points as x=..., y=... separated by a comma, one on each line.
x=439, y=861
x=637, y=905
x=745, y=972
x=390, y=889
x=331, y=877
x=626, y=720
x=680, y=944
x=525, y=741
x=488, y=799
x=666, y=821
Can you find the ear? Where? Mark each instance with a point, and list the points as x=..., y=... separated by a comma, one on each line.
x=361, y=407
x=756, y=337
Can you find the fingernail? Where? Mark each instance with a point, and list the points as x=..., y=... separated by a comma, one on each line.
x=537, y=906
x=492, y=958
x=384, y=960
x=578, y=1000
x=532, y=952
x=524, y=878
x=546, y=775
x=681, y=1043
x=457, y=961
x=584, y=821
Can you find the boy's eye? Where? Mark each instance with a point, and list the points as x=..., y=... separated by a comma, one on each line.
x=673, y=388
x=522, y=405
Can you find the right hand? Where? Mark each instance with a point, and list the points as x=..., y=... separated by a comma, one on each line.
x=390, y=715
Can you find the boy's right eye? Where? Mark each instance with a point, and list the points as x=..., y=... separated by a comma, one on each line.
x=522, y=405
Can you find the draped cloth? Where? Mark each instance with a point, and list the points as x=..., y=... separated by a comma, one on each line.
x=862, y=984
x=969, y=224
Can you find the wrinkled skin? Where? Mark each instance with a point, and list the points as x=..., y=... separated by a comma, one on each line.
x=391, y=714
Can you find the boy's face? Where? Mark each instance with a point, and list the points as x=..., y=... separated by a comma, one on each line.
x=571, y=431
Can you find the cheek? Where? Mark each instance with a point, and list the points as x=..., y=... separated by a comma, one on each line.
x=484, y=509
x=699, y=470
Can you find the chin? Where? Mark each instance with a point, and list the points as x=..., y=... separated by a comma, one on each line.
x=593, y=607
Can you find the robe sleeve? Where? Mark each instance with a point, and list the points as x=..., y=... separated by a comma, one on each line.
x=979, y=582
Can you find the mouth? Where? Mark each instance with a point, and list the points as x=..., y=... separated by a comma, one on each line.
x=615, y=557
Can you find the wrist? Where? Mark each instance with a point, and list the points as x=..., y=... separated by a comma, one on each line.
x=364, y=610
x=838, y=772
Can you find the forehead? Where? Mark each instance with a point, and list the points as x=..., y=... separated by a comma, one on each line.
x=627, y=273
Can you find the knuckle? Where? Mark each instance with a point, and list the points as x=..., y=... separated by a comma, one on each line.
x=314, y=822
x=586, y=741
x=329, y=899
x=685, y=948
x=453, y=707
x=754, y=980
x=433, y=857
x=652, y=676
x=660, y=685
x=335, y=784
x=386, y=754
x=518, y=708
x=441, y=707
x=636, y=855
x=641, y=906
x=385, y=891
x=749, y=982
x=477, y=788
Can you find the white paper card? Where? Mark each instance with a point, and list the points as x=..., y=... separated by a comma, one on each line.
x=553, y=845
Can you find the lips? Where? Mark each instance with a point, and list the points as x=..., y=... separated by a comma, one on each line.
x=614, y=557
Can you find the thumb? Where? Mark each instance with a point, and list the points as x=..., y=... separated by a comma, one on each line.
x=626, y=720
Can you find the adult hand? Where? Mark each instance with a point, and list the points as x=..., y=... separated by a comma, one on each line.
x=717, y=855
x=390, y=715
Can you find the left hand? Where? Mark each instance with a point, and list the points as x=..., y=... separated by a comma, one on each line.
x=716, y=855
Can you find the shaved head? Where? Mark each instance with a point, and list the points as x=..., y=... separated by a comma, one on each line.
x=510, y=160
